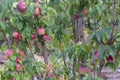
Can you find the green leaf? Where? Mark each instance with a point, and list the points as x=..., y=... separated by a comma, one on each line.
x=119, y=22
x=2, y=25
x=3, y=47
x=70, y=51
x=101, y=52
x=118, y=39
x=13, y=58
x=77, y=66
x=99, y=35
x=26, y=33
x=20, y=26
x=93, y=12
x=118, y=47
x=11, y=65
x=52, y=11
x=99, y=9
x=117, y=35
x=85, y=48
x=18, y=77
x=0, y=7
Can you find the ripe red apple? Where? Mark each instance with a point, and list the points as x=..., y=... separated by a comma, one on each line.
x=41, y=31
x=46, y=37
x=33, y=37
x=18, y=60
x=22, y=53
x=51, y=74
x=96, y=54
x=37, y=11
x=110, y=59
x=9, y=53
x=15, y=34
x=85, y=11
x=22, y=6
x=18, y=67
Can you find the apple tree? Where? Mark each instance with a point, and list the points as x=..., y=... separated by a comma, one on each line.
x=58, y=39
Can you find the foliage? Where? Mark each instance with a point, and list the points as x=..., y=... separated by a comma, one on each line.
x=60, y=56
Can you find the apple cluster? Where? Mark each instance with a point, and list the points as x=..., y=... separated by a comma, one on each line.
x=9, y=53
x=17, y=36
x=42, y=32
x=22, y=7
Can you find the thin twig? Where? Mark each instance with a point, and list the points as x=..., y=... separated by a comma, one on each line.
x=55, y=74
x=63, y=54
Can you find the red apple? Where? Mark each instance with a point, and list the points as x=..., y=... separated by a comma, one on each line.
x=18, y=60
x=85, y=11
x=37, y=11
x=22, y=53
x=51, y=74
x=15, y=34
x=33, y=37
x=41, y=31
x=110, y=59
x=46, y=37
x=96, y=54
x=18, y=67
x=22, y=6
x=9, y=53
